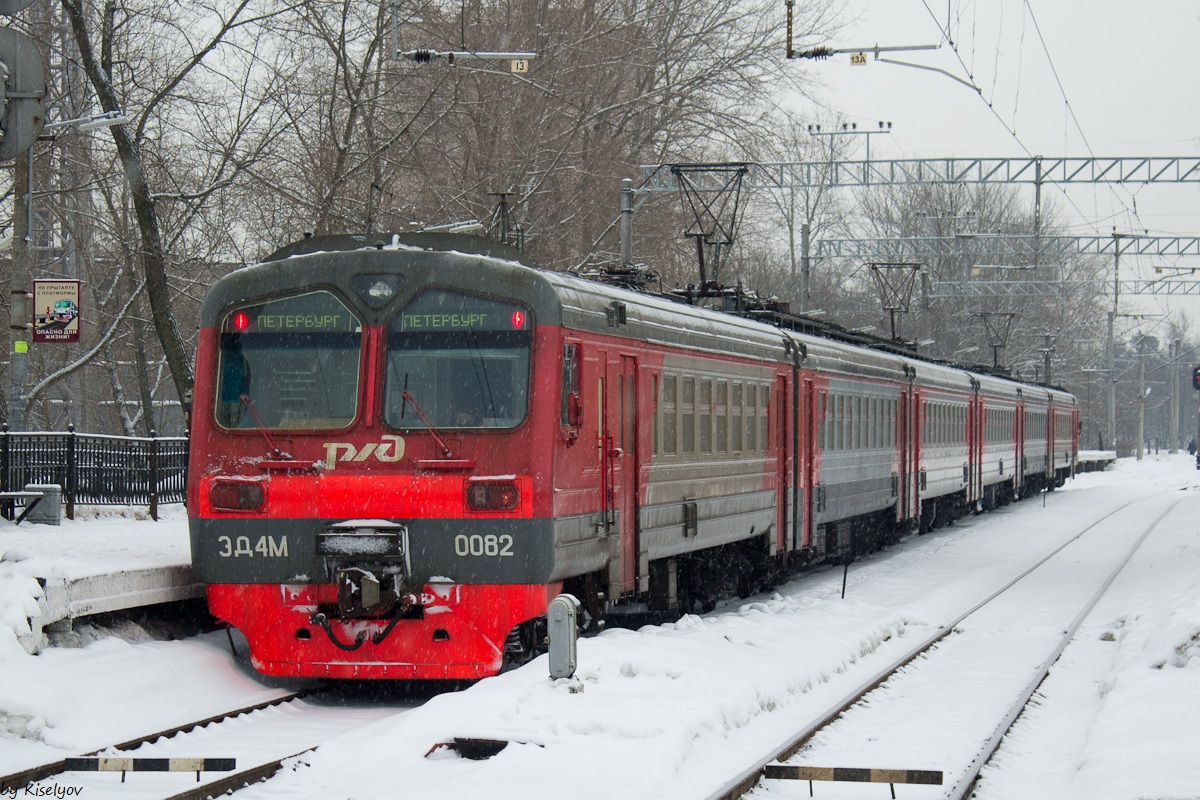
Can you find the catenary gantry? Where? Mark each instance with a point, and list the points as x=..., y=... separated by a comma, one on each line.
x=1032, y=170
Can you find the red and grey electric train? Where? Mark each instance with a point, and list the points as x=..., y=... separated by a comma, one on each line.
x=403, y=449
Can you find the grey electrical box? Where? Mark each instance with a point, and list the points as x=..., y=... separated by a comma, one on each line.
x=22, y=93
x=563, y=628
x=10, y=7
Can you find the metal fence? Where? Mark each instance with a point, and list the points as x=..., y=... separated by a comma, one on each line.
x=94, y=469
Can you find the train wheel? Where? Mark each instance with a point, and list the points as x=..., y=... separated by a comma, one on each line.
x=525, y=642
x=928, y=517
x=988, y=501
x=745, y=583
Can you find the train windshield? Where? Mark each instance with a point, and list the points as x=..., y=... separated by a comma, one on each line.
x=288, y=364
x=463, y=362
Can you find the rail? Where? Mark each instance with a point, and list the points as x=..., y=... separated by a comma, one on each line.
x=96, y=469
x=11, y=783
x=750, y=777
x=966, y=784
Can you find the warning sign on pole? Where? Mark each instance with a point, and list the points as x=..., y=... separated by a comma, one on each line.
x=55, y=311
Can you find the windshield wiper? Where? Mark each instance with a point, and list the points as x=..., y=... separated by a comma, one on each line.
x=421, y=415
x=274, y=452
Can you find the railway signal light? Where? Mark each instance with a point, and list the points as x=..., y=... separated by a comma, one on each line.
x=1196, y=377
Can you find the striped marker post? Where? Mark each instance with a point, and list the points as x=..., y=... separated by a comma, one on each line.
x=127, y=764
x=853, y=774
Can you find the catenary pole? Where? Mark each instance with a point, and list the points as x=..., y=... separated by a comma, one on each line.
x=19, y=318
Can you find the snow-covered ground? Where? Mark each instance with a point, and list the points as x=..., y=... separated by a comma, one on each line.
x=675, y=710
x=72, y=699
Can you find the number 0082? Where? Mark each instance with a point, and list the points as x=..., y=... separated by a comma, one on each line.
x=483, y=545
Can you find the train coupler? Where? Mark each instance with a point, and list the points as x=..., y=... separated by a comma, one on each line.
x=369, y=563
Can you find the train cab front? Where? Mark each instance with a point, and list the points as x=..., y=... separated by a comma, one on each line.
x=369, y=615
x=361, y=490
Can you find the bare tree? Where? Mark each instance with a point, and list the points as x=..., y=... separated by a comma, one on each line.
x=386, y=144
x=250, y=123
x=181, y=73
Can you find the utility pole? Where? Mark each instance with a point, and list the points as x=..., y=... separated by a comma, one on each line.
x=20, y=320
x=626, y=222
x=1112, y=317
x=1111, y=381
x=1173, y=382
x=805, y=265
x=1047, y=351
x=22, y=114
x=1141, y=429
x=20, y=311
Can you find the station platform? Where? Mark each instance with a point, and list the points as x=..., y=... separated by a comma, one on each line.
x=107, y=559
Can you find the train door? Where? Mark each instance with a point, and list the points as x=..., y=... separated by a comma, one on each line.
x=1019, y=436
x=969, y=438
x=1051, y=429
x=972, y=443
x=980, y=442
x=975, y=444
x=791, y=441
x=1075, y=431
x=784, y=455
x=806, y=447
x=904, y=442
x=619, y=472
x=910, y=452
x=635, y=565
x=1051, y=444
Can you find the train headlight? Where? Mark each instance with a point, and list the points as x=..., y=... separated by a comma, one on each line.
x=492, y=496
x=237, y=495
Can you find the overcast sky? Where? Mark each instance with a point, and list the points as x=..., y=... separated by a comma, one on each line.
x=1055, y=77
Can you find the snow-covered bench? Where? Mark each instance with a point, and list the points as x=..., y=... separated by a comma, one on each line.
x=28, y=499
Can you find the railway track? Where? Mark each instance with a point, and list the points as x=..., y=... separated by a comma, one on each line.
x=940, y=684
x=51, y=771
x=258, y=740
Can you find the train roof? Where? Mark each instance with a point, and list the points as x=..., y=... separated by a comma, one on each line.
x=476, y=264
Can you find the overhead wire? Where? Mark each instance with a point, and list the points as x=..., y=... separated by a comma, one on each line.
x=1071, y=112
x=1011, y=129
x=958, y=55
x=1129, y=210
x=1020, y=72
x=1066, y=101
